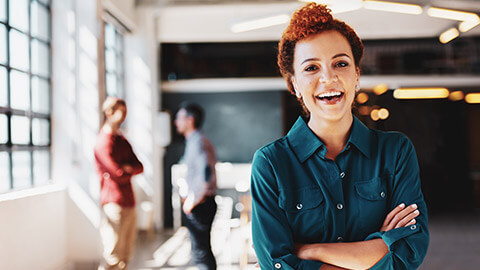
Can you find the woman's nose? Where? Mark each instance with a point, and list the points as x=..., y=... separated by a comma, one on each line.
x=328, y=76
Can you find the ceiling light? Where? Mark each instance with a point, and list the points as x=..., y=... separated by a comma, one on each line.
x=456, y=96
x=467, y=25
x=362, y=98
x=472, y=98
x=393, y=7
x=452, y=14
x=448, y=35
x=383, y=113
x=379, y=89
x=420, y=93
x=260, y=23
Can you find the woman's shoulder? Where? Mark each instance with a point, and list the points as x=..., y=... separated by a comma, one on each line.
x=273, y=149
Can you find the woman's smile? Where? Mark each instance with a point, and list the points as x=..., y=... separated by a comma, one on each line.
x=330, y=97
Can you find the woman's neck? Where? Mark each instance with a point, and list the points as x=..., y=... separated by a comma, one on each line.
x=334, y=134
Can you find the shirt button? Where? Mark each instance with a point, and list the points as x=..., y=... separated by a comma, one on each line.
x=348, y=147
x=339, y=206
x=413, y=227
x=106, y=175
x=382, y=194
x=339, y=239
x=278, y=265
x=342, y=174
x=299, y=206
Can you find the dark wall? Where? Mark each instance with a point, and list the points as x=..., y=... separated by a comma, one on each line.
x=439, y=132
x=236, y=123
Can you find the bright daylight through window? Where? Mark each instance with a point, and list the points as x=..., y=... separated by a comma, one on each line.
x=25, y=94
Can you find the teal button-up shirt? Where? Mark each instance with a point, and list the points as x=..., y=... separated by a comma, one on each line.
x=300, y=196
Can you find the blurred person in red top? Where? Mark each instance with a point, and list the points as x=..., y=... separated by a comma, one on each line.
x=116, y=164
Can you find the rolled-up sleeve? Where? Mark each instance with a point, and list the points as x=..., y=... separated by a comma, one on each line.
x=408, y=245
x=272, y=238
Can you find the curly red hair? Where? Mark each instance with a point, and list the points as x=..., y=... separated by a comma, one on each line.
x=310, y=20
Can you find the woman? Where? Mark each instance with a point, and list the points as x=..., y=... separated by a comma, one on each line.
x=332, y=193
x=116, y=164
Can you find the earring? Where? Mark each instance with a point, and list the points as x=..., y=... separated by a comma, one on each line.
x=357, y=87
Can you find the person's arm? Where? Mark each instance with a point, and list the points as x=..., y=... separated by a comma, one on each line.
x=407, y=245
x=197, y=168
x=134, y=166
x=107, y=162
x=272, y=237
x=362, y=254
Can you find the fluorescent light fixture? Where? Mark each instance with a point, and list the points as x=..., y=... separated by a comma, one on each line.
x=420, y=93
x=472, y=98
x=260, y=23
x=448, y=35
x=467, y=25
x=451, y=14
x=393, y=7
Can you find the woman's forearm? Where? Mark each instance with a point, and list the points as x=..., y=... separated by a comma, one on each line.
x=353, y=255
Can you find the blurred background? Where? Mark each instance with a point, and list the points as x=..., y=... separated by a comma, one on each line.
x=59, y=60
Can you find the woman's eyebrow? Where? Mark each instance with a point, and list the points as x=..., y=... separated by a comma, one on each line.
x=335, y=56
x=340, y=55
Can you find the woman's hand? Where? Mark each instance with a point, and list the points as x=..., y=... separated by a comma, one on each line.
x=400, y=216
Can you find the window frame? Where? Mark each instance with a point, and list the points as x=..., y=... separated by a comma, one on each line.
x=9, y=146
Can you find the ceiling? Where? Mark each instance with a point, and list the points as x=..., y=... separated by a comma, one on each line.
x=211, y=20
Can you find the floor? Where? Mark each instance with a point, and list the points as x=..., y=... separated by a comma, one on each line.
x=454, y=244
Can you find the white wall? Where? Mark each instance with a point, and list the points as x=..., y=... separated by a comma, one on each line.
x=142, y=98
x=32, y=234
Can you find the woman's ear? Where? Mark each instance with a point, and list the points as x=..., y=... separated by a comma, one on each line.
x=297, y=93
x=357, y=82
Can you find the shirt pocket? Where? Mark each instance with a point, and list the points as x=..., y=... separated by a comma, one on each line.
x=372, y=202
x=305, y=211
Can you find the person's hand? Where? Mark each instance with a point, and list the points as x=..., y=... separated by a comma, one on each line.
x=400, y=216
x=188, y=205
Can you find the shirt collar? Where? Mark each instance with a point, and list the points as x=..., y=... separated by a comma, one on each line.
x=361, y=136
x=305, y=143
x=192, y=135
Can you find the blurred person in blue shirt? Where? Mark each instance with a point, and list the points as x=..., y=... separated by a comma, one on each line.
x=199, y=205
x=332, y=193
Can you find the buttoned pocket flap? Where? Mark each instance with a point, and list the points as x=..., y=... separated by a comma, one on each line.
x=301, y=200
x=372, y=190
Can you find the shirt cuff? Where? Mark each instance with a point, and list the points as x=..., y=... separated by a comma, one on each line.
x=292, y=262
x=392, y=236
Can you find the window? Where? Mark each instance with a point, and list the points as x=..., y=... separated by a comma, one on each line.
x=25, y=94
x=114, y=61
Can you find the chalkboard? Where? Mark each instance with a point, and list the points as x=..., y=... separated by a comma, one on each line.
x=236, y=123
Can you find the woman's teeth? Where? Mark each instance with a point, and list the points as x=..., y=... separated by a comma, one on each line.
x=329, y=95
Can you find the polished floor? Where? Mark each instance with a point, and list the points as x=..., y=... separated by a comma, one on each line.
x=454, y=244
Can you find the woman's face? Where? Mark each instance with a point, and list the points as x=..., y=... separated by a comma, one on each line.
x=325, y=75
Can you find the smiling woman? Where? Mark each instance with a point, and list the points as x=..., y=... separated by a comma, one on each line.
x=332, y=193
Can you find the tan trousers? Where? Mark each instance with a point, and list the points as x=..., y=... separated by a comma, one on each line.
x=119, y=233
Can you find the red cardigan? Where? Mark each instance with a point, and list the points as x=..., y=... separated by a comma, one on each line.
x=112, y=152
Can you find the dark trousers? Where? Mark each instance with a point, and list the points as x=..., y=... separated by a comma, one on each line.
x=199, y=224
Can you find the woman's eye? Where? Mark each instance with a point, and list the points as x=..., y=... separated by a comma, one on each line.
x=341, y=64
x=310, y=68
